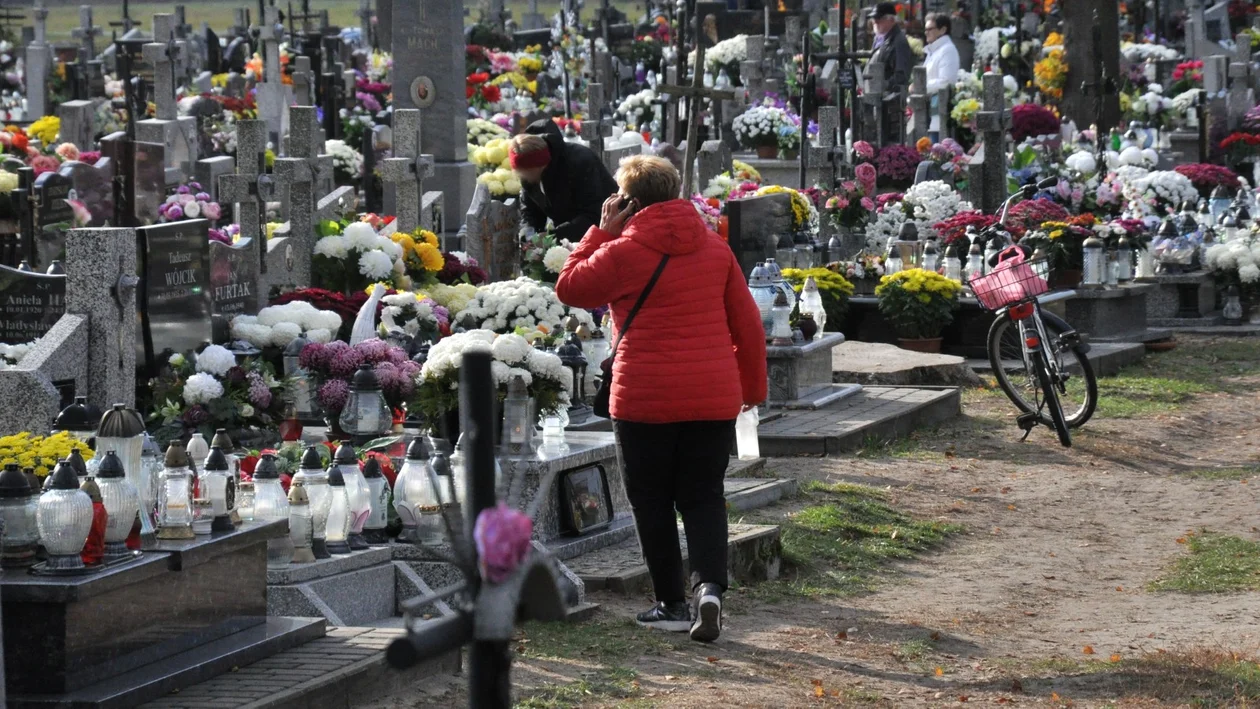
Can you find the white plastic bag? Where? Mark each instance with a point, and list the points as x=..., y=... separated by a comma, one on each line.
x=746, y=435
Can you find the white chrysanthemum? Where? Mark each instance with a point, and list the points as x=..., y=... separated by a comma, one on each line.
x=886, y=226
x=320, y=335
x=522, y=373
x=360, y=236
x=332, y=247
x=554, y=259
x=254, y=334
x=510, y=348
x=202, y=388
x=376, y=265
x=284, y=333
x=216, y=360
x=328, y=320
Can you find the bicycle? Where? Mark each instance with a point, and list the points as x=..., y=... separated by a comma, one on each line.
x=1038, y=359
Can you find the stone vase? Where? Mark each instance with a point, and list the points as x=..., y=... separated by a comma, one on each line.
x=930, y=345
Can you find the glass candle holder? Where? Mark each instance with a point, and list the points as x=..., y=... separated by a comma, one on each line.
x=337, y=532
x=313, y=476
x=122, y=503
x=18, y=504
x=301, y=529
x=203, y=516
x=378, y=498
x=175, y=496
x=64, y=519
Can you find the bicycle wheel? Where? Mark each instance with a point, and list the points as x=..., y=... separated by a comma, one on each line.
x=1052, y=407
x=1070, y=368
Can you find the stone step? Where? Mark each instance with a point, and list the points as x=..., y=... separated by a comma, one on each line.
x=746, y=468
x=875, y=363
x=876, y=412
x=754, y=553
x=1107, y=358
x=344, y=669
x=1244, y=330
x=743, y=494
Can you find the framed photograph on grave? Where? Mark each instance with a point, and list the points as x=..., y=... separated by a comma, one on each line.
x=585, y=500
x=174, y=298
x=30, y=304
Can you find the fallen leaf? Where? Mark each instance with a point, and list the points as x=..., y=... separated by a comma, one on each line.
x=1088, y=649
x=841, y=635
x=1054, y=555
x=1010, y=507
x=1054, y=696
x=1003, y=700
x=962, y=698
x=940, y=672
x=816, y=682
x=1120, y=588
x=818, y=692
x=1181, y=540
x=1115, y=657
x=975, y=489
x=935, y=636
x=1017, y=686
x=711, y=659
x=835, y=693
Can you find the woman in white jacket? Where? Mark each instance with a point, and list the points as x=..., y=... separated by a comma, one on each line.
x=942, y=66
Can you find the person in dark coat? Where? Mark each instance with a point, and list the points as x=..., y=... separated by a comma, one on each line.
x=891, y=48
x=564, y=182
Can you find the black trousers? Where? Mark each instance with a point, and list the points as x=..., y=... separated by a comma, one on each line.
x=678, y=466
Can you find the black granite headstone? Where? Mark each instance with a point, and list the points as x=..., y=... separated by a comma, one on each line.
x=174, y=297
x=233, y=281
x=53, y=217
x=93, y=186
x=30, y=304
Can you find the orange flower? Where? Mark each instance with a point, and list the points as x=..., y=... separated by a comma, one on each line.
x=923, y=144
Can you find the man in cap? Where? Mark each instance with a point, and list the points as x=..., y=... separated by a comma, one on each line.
x=892, y=50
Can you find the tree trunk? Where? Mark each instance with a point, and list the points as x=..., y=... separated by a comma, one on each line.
x=1078, y=25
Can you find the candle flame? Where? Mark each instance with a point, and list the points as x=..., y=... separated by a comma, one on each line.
x=782, y=7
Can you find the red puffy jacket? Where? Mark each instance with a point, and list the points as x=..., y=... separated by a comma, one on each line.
x=697, y=349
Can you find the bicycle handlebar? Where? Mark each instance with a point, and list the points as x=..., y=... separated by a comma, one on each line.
x=440, y=636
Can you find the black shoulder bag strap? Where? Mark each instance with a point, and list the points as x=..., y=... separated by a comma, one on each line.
x=639, y=304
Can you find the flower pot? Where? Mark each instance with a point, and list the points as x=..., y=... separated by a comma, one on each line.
x=767, y=152
x=1064, y=278
x=930, y=345
x=791, y=154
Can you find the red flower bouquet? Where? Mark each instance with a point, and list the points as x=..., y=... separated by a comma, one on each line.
x=897, y=163
x=1205, y=176
x=954, y=229
x=1029, y=120
x=1032, y=214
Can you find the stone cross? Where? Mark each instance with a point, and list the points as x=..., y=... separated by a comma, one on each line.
x=365, y=23
x=76, y=121
x=598, y=124
x=300, y=172
x=39, y=58
x=752, y=70
x=823, y=158
x=86, y=33
x=713, y=159
x=920, y=104
x=161, y=56
x=873, y=87
x=408, y=169
x=1241, y=95
x=273, y=96
x=242, y=189
x=303, y=83
x=179, y=134
x=987, y=170
x=533, y=19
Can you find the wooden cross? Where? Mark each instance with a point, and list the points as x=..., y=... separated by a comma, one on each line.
x=695, y=94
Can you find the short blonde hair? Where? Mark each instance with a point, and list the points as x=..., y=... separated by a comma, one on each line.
x=527, y=143
x=649, y=179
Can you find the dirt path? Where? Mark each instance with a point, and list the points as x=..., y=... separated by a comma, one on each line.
x=1043, y=600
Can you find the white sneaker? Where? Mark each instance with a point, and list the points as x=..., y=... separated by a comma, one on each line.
x=708, y=624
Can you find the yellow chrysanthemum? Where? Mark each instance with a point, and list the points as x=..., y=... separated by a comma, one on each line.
x=425, y=236
x=219, y=81
x=405, y=241
x=430, y=257
x=45, y=130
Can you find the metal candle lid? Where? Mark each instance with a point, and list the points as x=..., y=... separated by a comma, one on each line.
x=13, y=483
x=111, y=466
x=311, y=460
x=266, y=468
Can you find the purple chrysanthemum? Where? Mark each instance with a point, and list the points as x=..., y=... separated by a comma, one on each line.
x=332, y=395
x=259, y=393
x=345, y=362
x=313, y=357
x=195, y=415
x=235, y=375
x=373, y=351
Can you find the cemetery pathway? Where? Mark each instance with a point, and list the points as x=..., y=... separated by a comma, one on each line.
x=1046, y=597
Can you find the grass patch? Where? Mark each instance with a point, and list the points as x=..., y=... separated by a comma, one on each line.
x=1201, y=677
x=617, y=683
x=1164, y=380
x=1131, y=395
x=1243, y=473
x=842, y=542
x=1216, y=563
x=901, y=447
x=912, y=650
x=609, y=640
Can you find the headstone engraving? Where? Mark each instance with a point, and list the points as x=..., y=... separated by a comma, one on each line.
x=30, y=304
x=174, y=301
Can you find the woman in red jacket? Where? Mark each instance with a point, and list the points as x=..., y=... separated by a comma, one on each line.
x=691, y=360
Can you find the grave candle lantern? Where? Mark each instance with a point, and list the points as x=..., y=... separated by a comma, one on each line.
x=518, y=416
x=270, y=504
x=975, y=261
x=378, y=497
x=1204, y=215
x=215, y=486
x=1232, y=312
x=811, y=304
x=1230, y=225
x=991, y=250
x=763, y=291
x=224, y=442
x=64, y=518
x=175, y=495
x=930, y=256
x=312, y=476
x=356, y=493
x=1095, y=262
x=301, y=525
x=575, y=361
x=953, y=266
x=94, y=548
x=338, y=531
x=412, y=491
x=18, y=503
x=203, y=516
x=1124, y=256
x=1242, y=215
x=122, y=503
x=1218, y=203
x=782, y=333
x=122, y=431
x=299, y=378
x=76, y=420
x=365, y=415
x=892, y=260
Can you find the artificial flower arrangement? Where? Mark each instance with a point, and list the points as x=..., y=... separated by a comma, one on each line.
x=543, y=257
x=1140, y=53
x=371, y=95
x=345, y=305
x=918, y=303
x=745, y=172
x=45, y=130
x=896, y=164
x=1062, y=241
x=1155, y=108
x=865, y=266
x=1032, y=213
x=758, y=127
x=347, y=162
x=416, y=315
x=636, y=110
x=481, y=94
x=349, y=258
x=1165, y=188
x=1241, y=147
x=356, y=124
x=964, y=112
x=421, y=257
x=211, y=391
x=1236, y=261
x=926, y=204
x=458, y=267
x=189, y=202
x=1187, y=75
x=834, y=288
x=850, y=205
x=709, y=209
x=804, y=213
x=278, y=325
x=481, y=132
x=497, y=306
x=437, y=390
x=726, y=54
x=40, y=453
x=948, y=155
x=334, y=364
x=1050, y=74
x=953, y=230
x=1030, y=120
x=490, y=157
x=1205, y=177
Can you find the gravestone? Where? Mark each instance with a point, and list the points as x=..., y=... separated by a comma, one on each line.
x=141, y=178
x=175, y=303
x=39, y=64
x=234, y=283
x=30, y=304
x=492, y=229
x=208, y=170
x=300, y=172
x=77, y=122
x=407, y=171
x=242, y=188
x=713, y=159
x=428, y=74
x=1241, y=96
x=823, y=159
x=53, y=218
x=273, y=97
x=986, y=173
x=86, y=32
x=920, y=104
x=756, y=223
x=93, y=186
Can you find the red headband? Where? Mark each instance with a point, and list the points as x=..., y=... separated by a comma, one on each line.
x=538, y=158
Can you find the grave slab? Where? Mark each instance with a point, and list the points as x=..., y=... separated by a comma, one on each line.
x=1179, y=297
x=879, y=363
x=1112, y=314
x=1107, y=358
x=743, y=494
x=881, y=412
x=801, y=375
